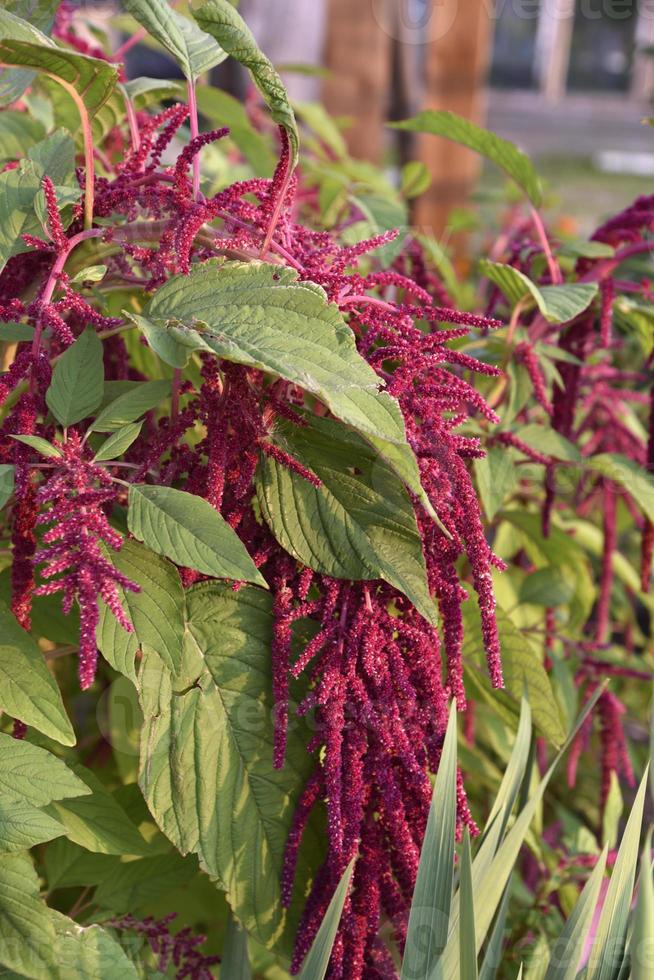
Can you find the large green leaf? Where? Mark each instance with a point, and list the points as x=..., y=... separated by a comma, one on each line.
x=41, y=13
x=42, y=944
x=206, y=753
x=523, y=669
x=259, y=314
x=187, y=529
x=77, y=380
x=30, y=778
x=22, y=45
x=156, y=611
x=28, y=690
x=194, y=50
x=90, y=953
x=635, y=480
x=131, y=405
x=33, y=775
x=428, y=926
x=136, y=884
x=504, y=154
x=27, y=932
x=17, y=133
x=222, y=21
x=98, y=822
x=558, y=304
x=359, y=524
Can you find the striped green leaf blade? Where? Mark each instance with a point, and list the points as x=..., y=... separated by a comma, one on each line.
x=317, y=959
x=235, y=962
x=642, y=940
x=432, y=898
x=566, y=953
x=611, y=933
x=467, y=941
x=194, y=50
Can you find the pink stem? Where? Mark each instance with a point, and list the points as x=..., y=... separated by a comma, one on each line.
x=555, y=272
x=129, y=44
x=193, y=119
x=51, y=281
x=133, y=124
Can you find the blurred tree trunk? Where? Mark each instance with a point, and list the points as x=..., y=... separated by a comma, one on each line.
x=457, y=58
x=358, y=58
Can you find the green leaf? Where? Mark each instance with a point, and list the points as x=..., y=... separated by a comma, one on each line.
x=136, y=884
x=69, y=865
x=27, y=933
x=546, y=587
x=6, y=483
x=92, y=273
x=580, y=249
x=514, y=774
x=259, y=314
x=316, y=961
x=28, y=690
x=21, y=192
x=144, y=92
x=428, y=927
x=55, y=156
x=567, y=950
x=496, y=479
x=642, y=940
x=41, y=445
x=548, y=441
x=15, y=332
x=359, y=524
x=610, y=937
x=119, y=442
x=187, y=529
x=41, y=13
x=156, y=612
x=415, y=179
x=235, y=962
x=33, y=775
x=131, y=405
x=638, y=483
x=558, y=304
x=206, y=751
x=194, y=50
x=523, y=670
x=97, y=822
x=17, y=133
x=42, y=944
x=500, y=151
x=90, y=953
x=225, y=24
x=77, y=380
x=23, y=825
x=467, y=941
x=22, y=45
x=222, y=109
